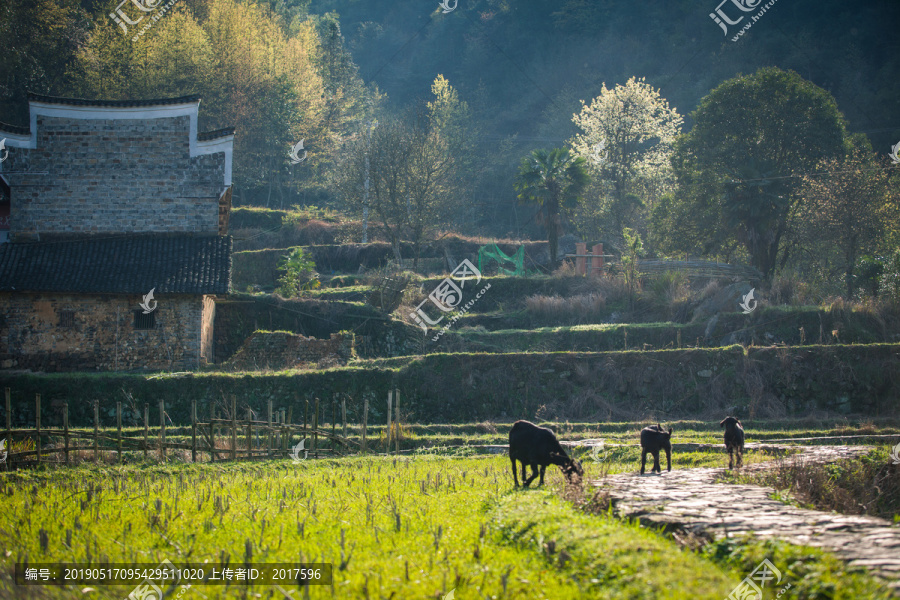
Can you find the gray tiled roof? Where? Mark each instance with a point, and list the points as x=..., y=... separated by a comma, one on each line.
x=6, y=127
x=121, y=265
x=218, y=133
x=112, y=103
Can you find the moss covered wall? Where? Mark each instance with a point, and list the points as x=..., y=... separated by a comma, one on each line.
x=666, y=384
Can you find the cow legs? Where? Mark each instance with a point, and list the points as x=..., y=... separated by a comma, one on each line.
x=730, y=457
x=669, y=459
x=543, y=467
x=534, y=473
x=515, y=478
x=740, y=456
x=643, y=460
x=656, y=466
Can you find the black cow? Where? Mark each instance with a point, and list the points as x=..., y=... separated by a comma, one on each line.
x=654, y=439
x=734, y=440
x=533, y=445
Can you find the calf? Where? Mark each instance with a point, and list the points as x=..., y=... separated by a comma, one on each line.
x=654, y=439
x=734, y=440
x=533, y=445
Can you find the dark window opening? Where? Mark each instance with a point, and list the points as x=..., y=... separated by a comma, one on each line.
x=67, y=318
x=142, y=321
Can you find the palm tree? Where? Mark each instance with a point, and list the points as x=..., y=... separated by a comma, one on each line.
x=553, y=179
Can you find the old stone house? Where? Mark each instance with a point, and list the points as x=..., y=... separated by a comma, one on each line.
x=109, y=200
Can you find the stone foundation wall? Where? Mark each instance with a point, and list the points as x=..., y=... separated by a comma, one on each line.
x=279, y=350
x=101, y=334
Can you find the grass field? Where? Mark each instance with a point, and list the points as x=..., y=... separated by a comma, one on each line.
x=409, y=527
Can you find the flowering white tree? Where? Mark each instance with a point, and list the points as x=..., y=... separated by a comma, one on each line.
x=627, y=137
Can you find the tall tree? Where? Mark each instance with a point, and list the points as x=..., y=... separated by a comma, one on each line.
x=409, y=167
x=554, y=180
x=627, y=137
x=40, y=39
x=451, y=119
x=845, y=207
x=740, y=167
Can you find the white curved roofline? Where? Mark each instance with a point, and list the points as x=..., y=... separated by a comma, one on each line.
x=191, y=109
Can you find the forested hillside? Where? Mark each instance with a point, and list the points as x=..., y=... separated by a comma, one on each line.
x=417, y=120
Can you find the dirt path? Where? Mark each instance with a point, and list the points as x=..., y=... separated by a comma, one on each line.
x=691, y=500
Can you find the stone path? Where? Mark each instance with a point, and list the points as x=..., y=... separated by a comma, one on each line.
x=690, y=500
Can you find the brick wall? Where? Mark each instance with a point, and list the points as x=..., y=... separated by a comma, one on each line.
x=283, y=350
x=93, y=176
x=101, y=335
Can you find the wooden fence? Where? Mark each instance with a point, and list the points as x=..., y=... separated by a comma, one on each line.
x=216, y=439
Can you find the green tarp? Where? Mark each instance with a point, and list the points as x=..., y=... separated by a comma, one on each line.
x=508, y=265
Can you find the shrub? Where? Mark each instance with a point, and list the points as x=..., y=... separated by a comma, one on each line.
x=299, y=274
x=573, y=310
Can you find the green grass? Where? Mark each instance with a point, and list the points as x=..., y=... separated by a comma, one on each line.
x=410, y=527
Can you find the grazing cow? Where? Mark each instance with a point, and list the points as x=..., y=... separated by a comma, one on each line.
x=654, y=439
x=734, y=440
x=533, y=445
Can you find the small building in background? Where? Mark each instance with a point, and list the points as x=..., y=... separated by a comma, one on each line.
x=118, y=236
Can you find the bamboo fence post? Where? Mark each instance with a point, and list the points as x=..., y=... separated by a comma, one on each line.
x=290, y=425
x=66, y=429
x=305, y=416
x=397, y=420
x=8, y=393
x=365, y=423
x=315, y=425
x=162, y=430
x=96, y=429
x=212, y=431
x=146, y=428
x=269, y=431
x=390, y=408
x=119, y=430
x=333, y=442
x=276, y=433
x=284, y=432
x=249, y=434
x=37, y=421
x=233, y=427
x=344, y=416
x=193, y=431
